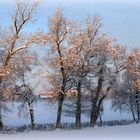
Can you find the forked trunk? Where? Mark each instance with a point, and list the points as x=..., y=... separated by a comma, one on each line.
x=95, y=105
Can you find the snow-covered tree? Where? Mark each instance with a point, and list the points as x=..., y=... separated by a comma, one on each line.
x=126, y=95
x=56, y=39
x=15, y=39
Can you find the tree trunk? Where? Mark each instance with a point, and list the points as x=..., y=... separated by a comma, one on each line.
x=78, y=107
x=1, y=122
x=59, y=111
x=61, y=94
x=93, y=115
x=95, y=105
x=133, y=115
x=60, y=105
x=30, y=104
x=101, y=122
x=138, y=112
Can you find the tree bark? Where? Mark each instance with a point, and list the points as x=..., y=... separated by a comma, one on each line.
x=78, y=107
x=138, y=112
x=61, y=93
x=60, y=105
x=59, y=111
x=30, y=104
x=1, y=121
x=93, y=115
x=133, y=115
x=95, y=106
x=101, y=122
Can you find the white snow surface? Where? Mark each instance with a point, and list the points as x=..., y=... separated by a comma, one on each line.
x=128, y=132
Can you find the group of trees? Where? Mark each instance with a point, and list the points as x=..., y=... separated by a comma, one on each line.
x=78, y=57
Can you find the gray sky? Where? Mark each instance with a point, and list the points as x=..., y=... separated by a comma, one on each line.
x=121, y=19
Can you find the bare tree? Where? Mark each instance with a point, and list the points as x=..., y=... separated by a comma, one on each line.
x=123, y=98
x=58, y=30
x=15, y=41
x=108, y=67
x=126, y=95
x=25, y=92
x=78, y=59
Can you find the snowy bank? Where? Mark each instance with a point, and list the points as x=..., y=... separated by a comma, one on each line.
x=128, y=132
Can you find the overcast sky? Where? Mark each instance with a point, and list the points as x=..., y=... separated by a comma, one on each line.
x=121, y=19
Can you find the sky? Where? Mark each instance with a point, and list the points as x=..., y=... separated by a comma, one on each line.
x=120, y=19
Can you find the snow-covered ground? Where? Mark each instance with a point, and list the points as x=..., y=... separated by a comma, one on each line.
x=46, y=113
x=128, y=132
